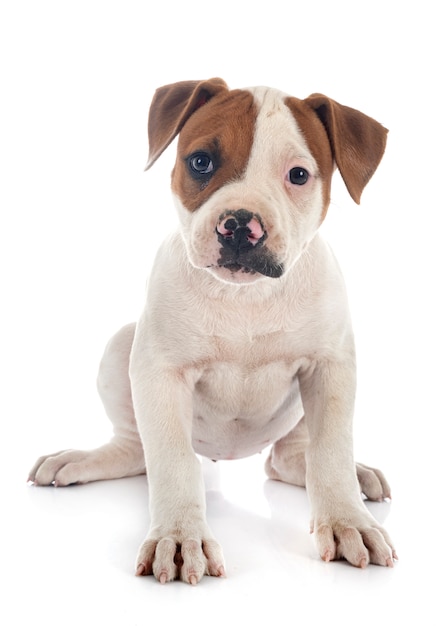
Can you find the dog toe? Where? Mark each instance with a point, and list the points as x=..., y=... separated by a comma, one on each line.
x=373, y=483
x=170, y=558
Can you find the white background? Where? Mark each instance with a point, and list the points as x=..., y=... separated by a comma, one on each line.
x=80, y=223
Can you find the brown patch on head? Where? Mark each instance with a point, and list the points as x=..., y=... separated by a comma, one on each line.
x=357, y=141
x=223, y=129
x=170, y=108
x=317, y=141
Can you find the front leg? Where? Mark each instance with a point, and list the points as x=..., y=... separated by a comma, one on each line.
x=342, y=525
x=179, y=543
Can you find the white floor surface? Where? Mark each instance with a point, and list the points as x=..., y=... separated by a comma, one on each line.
x=70, y=556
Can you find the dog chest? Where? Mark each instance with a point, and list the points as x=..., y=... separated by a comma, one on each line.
x=240, y=410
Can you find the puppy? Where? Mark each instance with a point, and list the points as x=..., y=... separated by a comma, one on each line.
x=245, y=340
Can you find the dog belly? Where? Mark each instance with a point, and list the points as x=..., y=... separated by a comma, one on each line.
x=237, y=415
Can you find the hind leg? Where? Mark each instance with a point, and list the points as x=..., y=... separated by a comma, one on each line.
x=287, y=462
x=123, y=455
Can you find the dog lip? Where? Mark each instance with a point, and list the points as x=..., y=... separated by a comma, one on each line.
x=262, y=265
x=271, y=270
x=237, y=267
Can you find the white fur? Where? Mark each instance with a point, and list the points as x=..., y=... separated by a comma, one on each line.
x=225, y=364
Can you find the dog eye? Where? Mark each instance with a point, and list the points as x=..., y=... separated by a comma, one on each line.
x=298, y=176
x=201, y=164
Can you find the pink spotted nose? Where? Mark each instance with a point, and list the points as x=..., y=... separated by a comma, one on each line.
x=240, y=230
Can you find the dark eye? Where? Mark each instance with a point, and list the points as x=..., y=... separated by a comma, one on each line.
x=201, y=164
x=298, y=176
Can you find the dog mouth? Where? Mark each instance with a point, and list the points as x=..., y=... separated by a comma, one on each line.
x=236, y=267
x=262, y=263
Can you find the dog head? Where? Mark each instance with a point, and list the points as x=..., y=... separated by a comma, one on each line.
x=253, y=170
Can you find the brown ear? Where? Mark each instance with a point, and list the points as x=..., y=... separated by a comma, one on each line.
x=170, y=108
x=357, y=141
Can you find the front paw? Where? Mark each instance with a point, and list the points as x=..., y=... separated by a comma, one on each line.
x=356, y=537
x=188, y=557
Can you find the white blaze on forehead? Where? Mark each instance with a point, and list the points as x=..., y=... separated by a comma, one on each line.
x=278, y=142
x=290, y=213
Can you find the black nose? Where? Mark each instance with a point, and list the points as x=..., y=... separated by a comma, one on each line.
x=240, y=230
